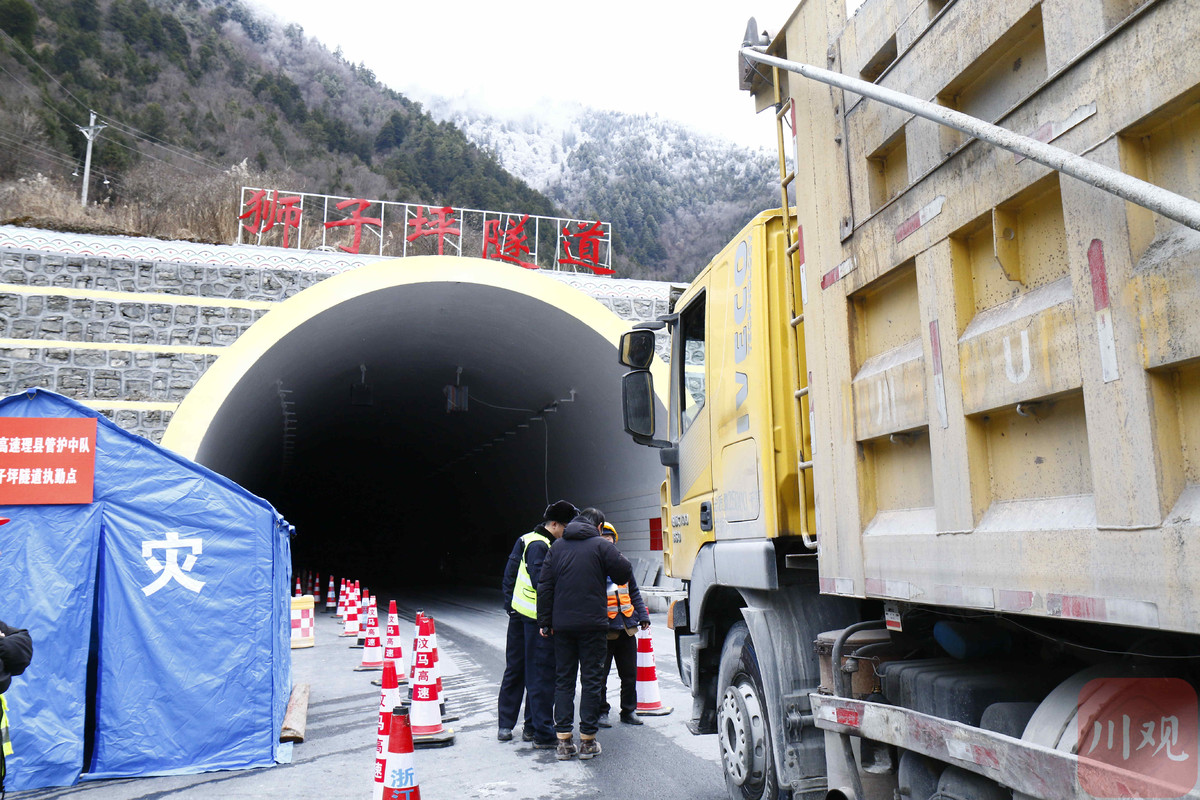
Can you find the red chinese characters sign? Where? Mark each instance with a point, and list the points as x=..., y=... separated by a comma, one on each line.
x=47, y=461
x=581, y=248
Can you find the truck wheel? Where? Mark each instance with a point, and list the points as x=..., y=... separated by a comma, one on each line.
x=742, y=728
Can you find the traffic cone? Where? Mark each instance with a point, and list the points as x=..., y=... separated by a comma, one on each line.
x=425, y=708
x=364, y=608
x=391, y=686
x=314, y=585
x=342, y=593
x=372, y=658
x=297, y=592
x=351, y=628
x=648, y=701
x=382, y=734
x=412, y=654
x=330, y=597
x=393, y=653
x=400, y=778
x=437, y=670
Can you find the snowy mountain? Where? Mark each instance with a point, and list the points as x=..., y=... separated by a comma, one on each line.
x=674, y=197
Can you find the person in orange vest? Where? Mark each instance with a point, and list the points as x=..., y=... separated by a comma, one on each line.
x=626, y=612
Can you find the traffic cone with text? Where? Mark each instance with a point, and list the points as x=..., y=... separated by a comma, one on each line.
x=425, y=708
x=649, y=703
x=351, y=628
x=363, y=605
x=400, y=774
x=437, y=670
x=372, y=658
x=393, y=653
x=382, y=734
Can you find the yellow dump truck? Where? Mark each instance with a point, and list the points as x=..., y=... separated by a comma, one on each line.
x=932, y=447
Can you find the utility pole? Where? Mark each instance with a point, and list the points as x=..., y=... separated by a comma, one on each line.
x=91, y=132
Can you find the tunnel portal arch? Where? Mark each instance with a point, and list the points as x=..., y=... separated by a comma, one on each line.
x=333, y=407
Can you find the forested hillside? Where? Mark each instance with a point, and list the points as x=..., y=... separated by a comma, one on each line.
x=200, y=97
x=190, y=88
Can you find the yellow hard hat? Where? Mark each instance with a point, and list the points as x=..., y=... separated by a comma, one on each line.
x=608, y=528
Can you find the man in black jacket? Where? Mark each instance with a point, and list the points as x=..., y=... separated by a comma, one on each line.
x=529, y=657
x=572, y=604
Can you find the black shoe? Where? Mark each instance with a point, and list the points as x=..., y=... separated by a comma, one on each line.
x=629, y=718
x=504, y=734
x=602, y=721
x=550, y=745
x=527, y=734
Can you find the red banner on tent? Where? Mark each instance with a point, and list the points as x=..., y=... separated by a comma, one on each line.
x=47, y=460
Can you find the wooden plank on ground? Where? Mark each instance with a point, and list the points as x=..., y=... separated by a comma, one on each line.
x=296, y=717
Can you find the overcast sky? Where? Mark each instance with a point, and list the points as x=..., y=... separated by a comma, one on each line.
x=667, y=57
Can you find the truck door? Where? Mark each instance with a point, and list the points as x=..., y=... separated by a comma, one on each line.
x=691, y=474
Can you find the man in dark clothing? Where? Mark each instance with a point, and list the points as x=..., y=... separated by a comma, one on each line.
x=529, y=657
x=573, y=608
x=626, y=612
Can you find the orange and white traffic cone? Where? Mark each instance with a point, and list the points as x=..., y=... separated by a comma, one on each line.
x=372, y=658
x=437, y=670
x=393, y=653
x=297, y=592
x=425, y=708
x=330, y=597
x=391, y=686
x=400, y=774
x=351, y=628
x=649, y=703
x=382, y=734
x=364, y=604
x=343, y=593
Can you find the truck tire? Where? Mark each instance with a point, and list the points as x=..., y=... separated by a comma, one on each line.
x=742, y=724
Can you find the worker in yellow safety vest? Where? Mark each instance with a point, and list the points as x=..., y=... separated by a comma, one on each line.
x=529, y=657
x=626, y=612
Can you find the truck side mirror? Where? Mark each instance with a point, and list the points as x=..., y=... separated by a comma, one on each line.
x=637, y=350
x=637, y=401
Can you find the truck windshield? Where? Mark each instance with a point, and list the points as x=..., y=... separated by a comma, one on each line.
x=691, y=388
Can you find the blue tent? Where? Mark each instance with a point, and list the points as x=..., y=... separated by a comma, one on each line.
x=127, y=679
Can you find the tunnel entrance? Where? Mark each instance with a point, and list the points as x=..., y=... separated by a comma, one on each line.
x=334, y=407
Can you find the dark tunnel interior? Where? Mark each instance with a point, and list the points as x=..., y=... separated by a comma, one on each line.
x=343, y=425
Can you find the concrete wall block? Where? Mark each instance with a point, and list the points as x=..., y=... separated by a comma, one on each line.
x=34, y=306
x=10, y=259
x=83, y=308
x=241, y=315
x=57, y=302
x=204, y=335
x=144, y=276
x=128, y=420
x=52, y=264
x=185, y=315
x=51, y=327
x=106, y=384
x=73, y=331
x=142, y=334
x=90, y=358
x=183, y=336
x=167, y=276
x=143, y=360
x=213, y=314
x=57, y=355
x=17, y=276
x=122, y=269
x=191, y=273
x=94, y=332
x=133, y=311
x=120, y=359
x=105, y=309
x=118, y=332
x=23, y=328
x=228, y=334
x=73, y=382
x=58, y=281
x=77, y=266
x=138, y=389
x=159, y=313
x=108, y=283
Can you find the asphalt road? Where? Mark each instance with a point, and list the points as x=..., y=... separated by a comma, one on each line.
x=658, y=760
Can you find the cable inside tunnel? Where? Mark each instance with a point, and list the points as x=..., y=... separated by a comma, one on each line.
x=412, y=422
